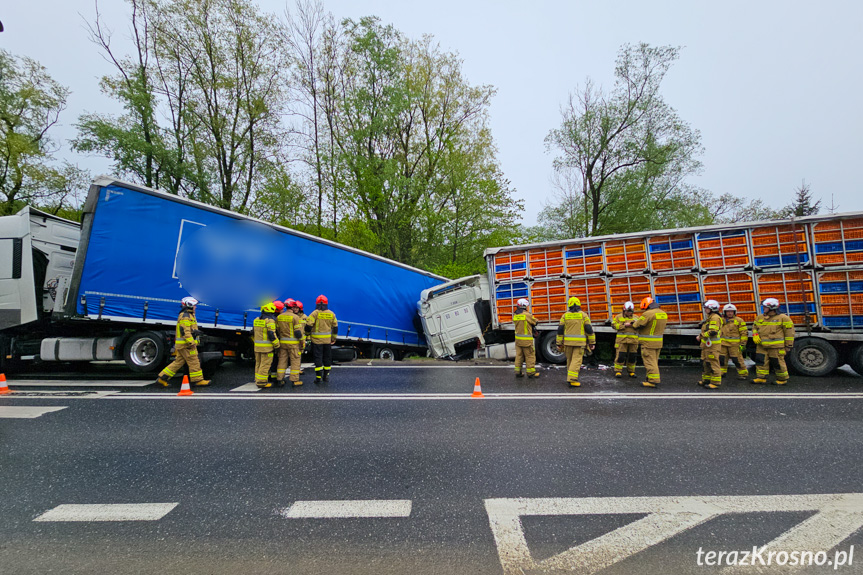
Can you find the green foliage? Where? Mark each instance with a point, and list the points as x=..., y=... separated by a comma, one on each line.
x=624, y=156
x=802, y=204
x=30, y=105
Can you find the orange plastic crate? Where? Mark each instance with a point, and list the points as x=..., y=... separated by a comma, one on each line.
x=834, y=225
x=828, y=236
x=834, y=299
x=830, y=259
x=846, y=309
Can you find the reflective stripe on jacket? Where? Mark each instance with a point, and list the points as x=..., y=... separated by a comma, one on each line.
x=776, y=330
x=324, y=325
x=265, y=337
x=575, y=330
x=650, y=327
x=289, y=328
x=186, y=325
x=734, y=332
x=524, y=323
x=624, y=334
x=710, y=329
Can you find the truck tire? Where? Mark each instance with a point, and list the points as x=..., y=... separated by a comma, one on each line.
x=855, y=358
x=145, y=352
x=813, y=357
x=549, y=350
x=386, y=353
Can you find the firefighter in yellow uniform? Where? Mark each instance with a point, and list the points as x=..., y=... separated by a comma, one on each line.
x=575, y=334
x=734, y=337
x=626, y=341
x=186, y=347
x=773, y=334
x=525, y=352
x=266, y=341
x=290, y=332
x=711, y=342
x=274, y=367
x=298, y=311
x=323, y=327
x=650, y=327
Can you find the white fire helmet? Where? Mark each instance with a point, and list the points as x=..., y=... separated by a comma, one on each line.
x=771, y=303
x=729, y=307
x=629, y=306
x=523, y=303
x=189, y=301
x=712, y=305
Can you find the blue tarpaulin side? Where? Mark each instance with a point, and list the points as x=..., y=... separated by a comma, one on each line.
x=145, y=247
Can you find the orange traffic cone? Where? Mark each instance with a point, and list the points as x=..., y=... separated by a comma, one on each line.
x=4, y=388
x=477, y=390
x=186, y=390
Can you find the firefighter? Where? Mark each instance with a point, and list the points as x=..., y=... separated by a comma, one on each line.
x=266, y=341
x=626, y=341
x=773, y=334
x=525, y=352
x=322, y=326
x=186, y=347
x=711, y=342
x=274, y=367
x=298, y=311
x=290, y=331
x=650, y=327
x=575, y=334
x=734, y=337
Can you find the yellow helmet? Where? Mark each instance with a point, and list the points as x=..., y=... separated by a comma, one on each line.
x=269, y=307
x=573, y=301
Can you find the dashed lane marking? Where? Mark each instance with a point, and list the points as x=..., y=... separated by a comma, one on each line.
x=108, y=512
x=348, y=508
x=26, y=412
x=76, y=383
x=837, y=517
x=16, y=394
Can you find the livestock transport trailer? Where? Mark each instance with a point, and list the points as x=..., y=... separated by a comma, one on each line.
x=110, y=287
x=813, y=265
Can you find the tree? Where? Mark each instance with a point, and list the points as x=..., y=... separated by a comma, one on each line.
x=30, y=105
x=405, y=141
x=802, y=204
x=627, y=149
x=203, y=93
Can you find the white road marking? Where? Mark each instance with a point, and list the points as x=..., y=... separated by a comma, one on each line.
x=348, y=508
x=108, y=512
x=69, y=394
x=25, y=412
x=251, y=386
x=606, y=396
x=839, y=516
x=76, y=383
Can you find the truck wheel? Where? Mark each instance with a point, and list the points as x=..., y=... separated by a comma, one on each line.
x=386, y=353
x=549, y=350
x=144, y=352
x=813, y=357
x=855, y=358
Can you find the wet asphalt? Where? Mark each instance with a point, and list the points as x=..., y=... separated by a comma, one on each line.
x=234, y=461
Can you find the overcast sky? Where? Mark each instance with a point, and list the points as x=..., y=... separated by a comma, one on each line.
x=774, y=87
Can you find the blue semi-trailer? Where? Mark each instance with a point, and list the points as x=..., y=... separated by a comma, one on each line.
x=109, y=288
